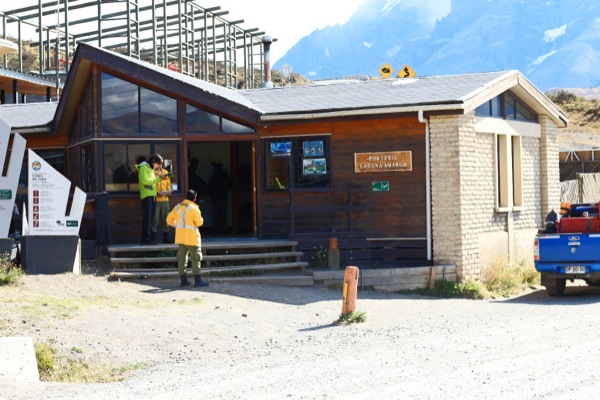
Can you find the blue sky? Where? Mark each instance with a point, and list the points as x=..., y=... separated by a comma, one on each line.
x=278, y=19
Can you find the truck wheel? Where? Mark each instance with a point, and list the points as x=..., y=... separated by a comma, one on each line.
x=556, y=288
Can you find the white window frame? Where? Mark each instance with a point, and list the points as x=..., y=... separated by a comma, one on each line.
x=509, y=172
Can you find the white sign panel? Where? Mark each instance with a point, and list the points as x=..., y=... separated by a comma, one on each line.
x=48, y=195
x=10, y=182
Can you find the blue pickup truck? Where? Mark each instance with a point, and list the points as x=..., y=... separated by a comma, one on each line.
x=569, y=248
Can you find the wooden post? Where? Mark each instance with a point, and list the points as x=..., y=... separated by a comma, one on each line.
x=349, y=291
x=432, y=272
x=333, y=254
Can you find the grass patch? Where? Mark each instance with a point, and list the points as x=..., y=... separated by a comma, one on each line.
x=64, y=308
x=54, y=367
x=354, y=317
x=192, y=301
x=502, y=279
x=10, y=273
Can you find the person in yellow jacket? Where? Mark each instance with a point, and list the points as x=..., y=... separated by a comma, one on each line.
x=163, y=191
x=147, y=181
x=186, y=218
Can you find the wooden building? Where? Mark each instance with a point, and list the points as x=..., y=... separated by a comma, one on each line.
x=403, y=172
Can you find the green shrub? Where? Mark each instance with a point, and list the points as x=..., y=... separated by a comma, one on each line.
x=45, y=356
x=351, y=318
x=505, y=279
x=56, y=367
x=10, y=273
x=502, y=279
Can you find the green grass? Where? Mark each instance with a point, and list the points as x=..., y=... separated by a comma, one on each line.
x=66, y=308
x=10, y=273
x=73, y=367
x=354, y=317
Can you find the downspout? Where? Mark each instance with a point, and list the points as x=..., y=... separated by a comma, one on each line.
x=427, y=183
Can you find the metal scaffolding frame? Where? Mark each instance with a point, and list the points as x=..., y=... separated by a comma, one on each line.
x=176, y=34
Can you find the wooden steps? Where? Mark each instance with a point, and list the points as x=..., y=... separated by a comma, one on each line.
x=235, y=257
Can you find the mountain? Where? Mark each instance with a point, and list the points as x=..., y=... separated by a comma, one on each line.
x=556, y=44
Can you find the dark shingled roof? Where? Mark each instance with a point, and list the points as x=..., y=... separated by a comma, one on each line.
x=460, y=93
x=359, y=95
x=28, y=115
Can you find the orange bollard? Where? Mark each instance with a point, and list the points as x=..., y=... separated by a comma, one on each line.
x=349, y=291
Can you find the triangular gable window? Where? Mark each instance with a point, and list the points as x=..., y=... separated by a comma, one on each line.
x=199, y=121
x=506, y=106
x=130, y=109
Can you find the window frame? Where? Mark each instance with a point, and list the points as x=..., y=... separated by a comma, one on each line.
x=509, y=172
x=297, y=165
x=132, y=186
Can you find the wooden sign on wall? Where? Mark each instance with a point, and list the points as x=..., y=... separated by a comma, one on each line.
x=383, y=161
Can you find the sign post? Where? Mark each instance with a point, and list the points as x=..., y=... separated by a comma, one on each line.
x=53, y=231
x=9, y=183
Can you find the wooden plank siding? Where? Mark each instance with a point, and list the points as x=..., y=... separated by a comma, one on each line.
x=397, y=214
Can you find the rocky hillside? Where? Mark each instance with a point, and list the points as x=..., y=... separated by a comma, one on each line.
x=583, y=109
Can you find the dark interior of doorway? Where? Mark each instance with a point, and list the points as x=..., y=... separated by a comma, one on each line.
x=236, y=161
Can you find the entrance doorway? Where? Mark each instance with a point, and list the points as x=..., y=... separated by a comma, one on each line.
x=221, y=173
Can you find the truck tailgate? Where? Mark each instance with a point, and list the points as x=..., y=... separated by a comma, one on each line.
x=556, y=250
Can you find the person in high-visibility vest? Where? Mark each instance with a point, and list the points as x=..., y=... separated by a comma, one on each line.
x=186, y=218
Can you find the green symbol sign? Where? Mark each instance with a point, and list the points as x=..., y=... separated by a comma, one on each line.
x=382, y=186
x=72, y=223
x=5, y=194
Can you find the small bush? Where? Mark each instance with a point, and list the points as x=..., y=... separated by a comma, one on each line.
x=45, y=356
x=351, y=318
x=10, y=273
x=317, y=258
x=445, y=289
x=505, y=279
x=55, y=367
x=502, y=279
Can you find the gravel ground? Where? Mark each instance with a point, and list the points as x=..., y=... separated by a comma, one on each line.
x=231, y=341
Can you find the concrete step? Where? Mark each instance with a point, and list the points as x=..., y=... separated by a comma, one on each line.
x=172, y=272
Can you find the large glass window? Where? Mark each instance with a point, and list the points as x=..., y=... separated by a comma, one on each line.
x=279, y=156
x=84, y=118
x=130, y=109
x=120, y=159
x=120, y=113
x=199, y=121
x=158, y=113
x=297, y=163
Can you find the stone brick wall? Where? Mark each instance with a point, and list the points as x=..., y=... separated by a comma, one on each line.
x=465, y=223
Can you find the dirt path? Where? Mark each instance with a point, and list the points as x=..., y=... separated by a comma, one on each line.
x=266, y=342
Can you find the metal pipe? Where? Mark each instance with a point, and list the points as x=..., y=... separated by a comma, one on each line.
x=266, y=40
x=427, y=184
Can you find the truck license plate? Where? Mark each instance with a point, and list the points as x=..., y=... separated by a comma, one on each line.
x=575, y=270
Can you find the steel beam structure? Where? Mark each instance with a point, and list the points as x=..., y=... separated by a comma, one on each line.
x=177, y=34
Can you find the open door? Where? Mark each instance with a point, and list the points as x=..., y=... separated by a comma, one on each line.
x=221, y=173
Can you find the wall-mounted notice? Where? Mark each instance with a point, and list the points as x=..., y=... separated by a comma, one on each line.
x=48, y=196
x=9, y=183
x=383, y=161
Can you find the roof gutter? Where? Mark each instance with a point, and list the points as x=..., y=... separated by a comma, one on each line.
x=372, y=111
x=30, y=130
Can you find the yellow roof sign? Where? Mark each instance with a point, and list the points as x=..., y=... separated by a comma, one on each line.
x=386, y=70
x=406, y=72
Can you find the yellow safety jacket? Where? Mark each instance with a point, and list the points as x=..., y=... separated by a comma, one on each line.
x=163, y=186
x=186, y=218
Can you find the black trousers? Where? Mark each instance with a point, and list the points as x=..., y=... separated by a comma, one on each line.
x=148, y=205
